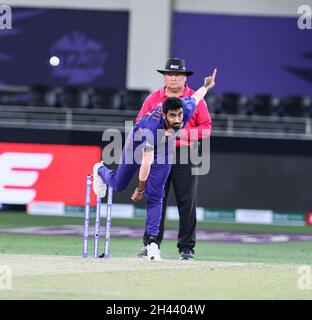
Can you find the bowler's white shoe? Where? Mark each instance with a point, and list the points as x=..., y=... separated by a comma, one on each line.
x=153, y=252
x=99, y=187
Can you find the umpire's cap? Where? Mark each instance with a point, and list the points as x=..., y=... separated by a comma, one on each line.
x=176, y=65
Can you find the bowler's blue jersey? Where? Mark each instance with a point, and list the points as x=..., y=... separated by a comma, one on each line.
x=153, y=122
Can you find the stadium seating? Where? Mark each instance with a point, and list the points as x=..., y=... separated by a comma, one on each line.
x=132, y=99
x=296, y=106
x=70, y=97
x=307, y=104
x=214, y=103
x=228, y=103
x=234, y=103
x=266, y=105
x=11, y=95
x=104, y=98
x=44, y=96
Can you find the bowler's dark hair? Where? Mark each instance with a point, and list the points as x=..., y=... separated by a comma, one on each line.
x=171, y=103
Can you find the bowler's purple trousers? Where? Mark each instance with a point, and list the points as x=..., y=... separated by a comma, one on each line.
x=154, y=189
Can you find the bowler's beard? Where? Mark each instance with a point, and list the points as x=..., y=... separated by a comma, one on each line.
x=175, y=127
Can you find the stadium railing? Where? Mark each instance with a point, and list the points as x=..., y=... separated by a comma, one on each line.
x=100, y=119
x=96, y=109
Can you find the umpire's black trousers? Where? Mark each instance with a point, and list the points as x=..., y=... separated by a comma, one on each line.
x=185, y=189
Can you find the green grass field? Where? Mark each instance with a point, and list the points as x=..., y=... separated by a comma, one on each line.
x=51, y=267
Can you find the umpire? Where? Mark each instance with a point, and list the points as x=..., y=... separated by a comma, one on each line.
x=184, y=183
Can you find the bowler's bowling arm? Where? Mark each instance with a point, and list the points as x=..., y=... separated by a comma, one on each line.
x=147, y=160
x=145, y=168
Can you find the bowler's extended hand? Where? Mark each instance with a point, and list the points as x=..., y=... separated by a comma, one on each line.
x=209, y=82
x=137, y=195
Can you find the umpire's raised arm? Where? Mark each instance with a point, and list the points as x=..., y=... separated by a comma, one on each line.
x=209, y=83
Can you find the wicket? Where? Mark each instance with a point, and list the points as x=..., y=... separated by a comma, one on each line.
x=97, y=222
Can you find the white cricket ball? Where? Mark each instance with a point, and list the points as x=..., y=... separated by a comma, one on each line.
x=54, y=61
